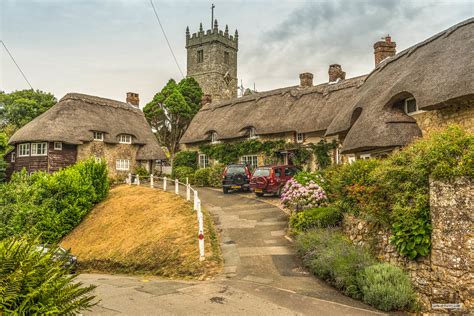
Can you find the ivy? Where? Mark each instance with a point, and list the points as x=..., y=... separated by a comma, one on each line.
x=321, y=152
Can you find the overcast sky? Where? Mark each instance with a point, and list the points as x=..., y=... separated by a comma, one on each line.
x=109, y=47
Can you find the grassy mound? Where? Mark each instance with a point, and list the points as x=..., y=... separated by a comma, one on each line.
x=145, y=231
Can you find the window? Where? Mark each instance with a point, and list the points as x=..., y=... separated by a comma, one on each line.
x=365, y=156
x=122, y=164
x=299, y=137
x=261, y=172
x=351, y=158
x=252, y=133
x=23, y=150
x=214, y=137
x=411, y=107
x=250, y=160
x=58, y=146
x=125, y=139
x=203, y=161
x=99, y=136
x=277, y=172
x=39, y=149
x=226, y=58
x=200, y=56
x=13, y=157
x=289, y=171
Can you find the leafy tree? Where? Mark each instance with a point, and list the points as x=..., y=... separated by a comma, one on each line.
x=171, y=111
x=3, y=151
x=20, y=107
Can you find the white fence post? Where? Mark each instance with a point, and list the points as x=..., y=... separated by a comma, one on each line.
x=201, y=231
x=138, y=180
x=187, y=180
x=188, y=192
x=176, y=186
x=129, y=180
x=151, y=181
x=195, y=200
x=164, y=184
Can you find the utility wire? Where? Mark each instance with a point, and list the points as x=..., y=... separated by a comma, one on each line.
x=17, y=66
x=166, y=38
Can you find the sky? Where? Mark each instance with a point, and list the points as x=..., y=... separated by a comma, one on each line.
x=110, y=47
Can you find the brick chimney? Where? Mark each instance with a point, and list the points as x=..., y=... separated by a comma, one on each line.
x=132, y=99
x=306, y=79
x=384, y=49
x=335, y=73
x=205, y=99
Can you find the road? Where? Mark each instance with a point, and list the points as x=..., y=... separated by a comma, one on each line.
x=262, y=275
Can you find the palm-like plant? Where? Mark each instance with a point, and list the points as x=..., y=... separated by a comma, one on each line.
x=37, y=282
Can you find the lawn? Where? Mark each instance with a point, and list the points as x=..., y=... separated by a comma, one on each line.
x=144, y=231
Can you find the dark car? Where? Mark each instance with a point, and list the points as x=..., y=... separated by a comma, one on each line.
x=70, y=261
x=236, y=176
x=271, y=179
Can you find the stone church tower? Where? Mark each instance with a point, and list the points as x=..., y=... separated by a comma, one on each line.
x=212, y=61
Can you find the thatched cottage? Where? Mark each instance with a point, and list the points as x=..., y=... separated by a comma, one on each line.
x=426, y=86
x=81, y=126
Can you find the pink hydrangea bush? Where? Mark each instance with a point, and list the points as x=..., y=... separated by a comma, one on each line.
x=297, y=197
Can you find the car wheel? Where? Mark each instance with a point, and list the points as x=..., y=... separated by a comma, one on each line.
x=225, y=190
x=259, y=194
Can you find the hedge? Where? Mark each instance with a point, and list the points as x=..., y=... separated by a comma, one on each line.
x=322, y=217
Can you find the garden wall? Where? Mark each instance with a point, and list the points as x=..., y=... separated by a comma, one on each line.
x=447, y=274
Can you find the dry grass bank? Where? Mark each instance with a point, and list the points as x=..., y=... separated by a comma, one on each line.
x=146, y=231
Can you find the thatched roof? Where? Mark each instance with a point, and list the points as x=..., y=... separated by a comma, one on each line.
x=74, y=118
x=294, y=108
x=436, y=72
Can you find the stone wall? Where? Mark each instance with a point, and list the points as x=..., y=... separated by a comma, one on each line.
x=447, y=274
x=462, y=114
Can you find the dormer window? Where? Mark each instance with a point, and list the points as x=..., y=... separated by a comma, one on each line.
x=299, y=137
x=411, y=107
x=125, y=139
x=99, y=136
x=214, y=137
x=252, y=133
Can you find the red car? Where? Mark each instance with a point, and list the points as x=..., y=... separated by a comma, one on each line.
x=271, y=179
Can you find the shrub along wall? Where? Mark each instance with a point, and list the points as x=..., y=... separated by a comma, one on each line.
x=51, y=204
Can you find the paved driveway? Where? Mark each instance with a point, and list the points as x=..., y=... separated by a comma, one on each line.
x=262, y=275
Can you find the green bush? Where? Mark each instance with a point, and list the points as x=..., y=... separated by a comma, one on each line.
x=141, y=172
x=186, y=159
x=386, y=287
x=331, y=257
x=316, y=217
x=215, y=175
x=201, y=177
x=183, y=172
x=37, y=283
x=51, y=204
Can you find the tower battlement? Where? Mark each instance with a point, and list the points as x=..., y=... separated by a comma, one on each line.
x=201, y=37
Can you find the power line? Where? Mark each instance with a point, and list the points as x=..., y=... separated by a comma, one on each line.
x=17, y=66
x=166, y=38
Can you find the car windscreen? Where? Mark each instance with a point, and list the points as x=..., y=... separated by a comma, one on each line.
x=235, y=170
x=261, y=172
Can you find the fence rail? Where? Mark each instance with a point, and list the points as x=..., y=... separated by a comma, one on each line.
x=134, y=179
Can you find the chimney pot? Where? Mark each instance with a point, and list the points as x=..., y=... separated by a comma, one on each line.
x=306, y=79
x=133, y=99
x=384, y=49
x=335, y=73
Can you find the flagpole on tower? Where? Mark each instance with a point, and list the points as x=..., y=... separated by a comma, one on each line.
x=212, y=15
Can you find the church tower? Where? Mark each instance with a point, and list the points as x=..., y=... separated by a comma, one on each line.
x=212, y=61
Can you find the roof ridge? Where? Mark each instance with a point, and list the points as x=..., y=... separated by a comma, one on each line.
x=95, y=100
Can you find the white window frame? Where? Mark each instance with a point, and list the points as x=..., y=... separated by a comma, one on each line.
x=351, y=158
x=122, y=164
x=13, y=157
x=253, y=133
x=416, y=104
x=365, y=156
x=35, y=149
x=99, y=136
x=299, y=137
x=214, y=138
x=125, y=139
x=251, y=160
x=24, y=150
x=58, y=146
x=203, y=161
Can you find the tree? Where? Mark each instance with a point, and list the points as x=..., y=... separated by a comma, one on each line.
x=3, y=151
x=20, y=107
x=171, y=111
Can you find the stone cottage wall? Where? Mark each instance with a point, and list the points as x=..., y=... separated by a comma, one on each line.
x=447, y=274
x=461, y=114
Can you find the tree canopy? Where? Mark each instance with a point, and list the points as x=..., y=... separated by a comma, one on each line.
x=171, y=111
x=20, y=107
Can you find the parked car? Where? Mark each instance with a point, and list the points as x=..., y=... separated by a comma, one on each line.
x=271, y=179
x=236, y=176
x=60, y=254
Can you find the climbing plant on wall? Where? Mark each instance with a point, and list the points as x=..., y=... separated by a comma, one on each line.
x=321, y=152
